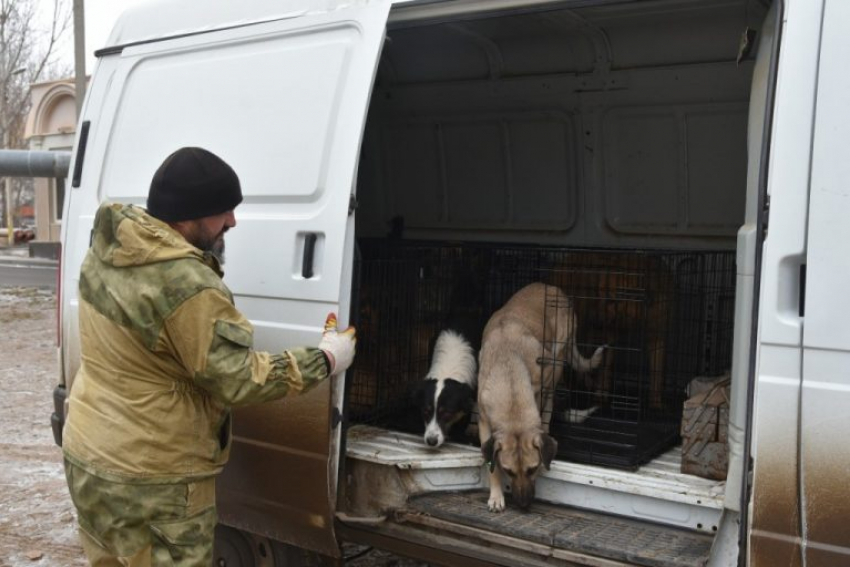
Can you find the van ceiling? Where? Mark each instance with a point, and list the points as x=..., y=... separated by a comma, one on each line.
x=653, y=33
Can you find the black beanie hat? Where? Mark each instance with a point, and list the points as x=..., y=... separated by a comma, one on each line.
x=193, y=183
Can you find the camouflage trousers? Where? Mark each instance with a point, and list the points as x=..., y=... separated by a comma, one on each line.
x=143, y=525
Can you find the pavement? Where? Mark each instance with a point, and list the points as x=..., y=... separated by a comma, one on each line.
x=20, y=255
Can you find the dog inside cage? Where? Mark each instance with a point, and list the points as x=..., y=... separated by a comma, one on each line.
x=659, y=318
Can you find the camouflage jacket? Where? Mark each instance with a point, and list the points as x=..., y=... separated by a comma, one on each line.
x=164, y=355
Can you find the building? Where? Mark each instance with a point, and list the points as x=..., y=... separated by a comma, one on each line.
x=50, y=126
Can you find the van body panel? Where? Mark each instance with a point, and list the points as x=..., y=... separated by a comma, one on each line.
x=775, y=502
x=82, y=202
x=181, y=18
x=825, y=454
x=788, y=181
x=758, y=128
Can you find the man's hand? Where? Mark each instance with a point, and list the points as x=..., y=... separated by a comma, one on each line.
x=338, y=345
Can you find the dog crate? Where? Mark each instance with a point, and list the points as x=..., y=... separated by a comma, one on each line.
x=664, y=317
x=403, y=293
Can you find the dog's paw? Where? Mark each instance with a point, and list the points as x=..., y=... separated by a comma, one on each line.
x=579, y=415
x=496, y=503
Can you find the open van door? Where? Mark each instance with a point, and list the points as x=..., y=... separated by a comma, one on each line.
x=825, y=415
x=279, y=90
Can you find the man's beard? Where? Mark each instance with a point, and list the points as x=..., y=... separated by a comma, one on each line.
x=217, y=249
x=214, y=244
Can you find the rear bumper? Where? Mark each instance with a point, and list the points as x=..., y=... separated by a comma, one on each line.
x=57, y=418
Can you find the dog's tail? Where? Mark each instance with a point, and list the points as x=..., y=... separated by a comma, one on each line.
x=582, y=364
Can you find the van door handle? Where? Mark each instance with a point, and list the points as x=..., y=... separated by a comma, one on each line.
x=309, y=254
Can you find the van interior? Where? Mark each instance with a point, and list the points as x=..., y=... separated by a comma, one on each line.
x=600, y=147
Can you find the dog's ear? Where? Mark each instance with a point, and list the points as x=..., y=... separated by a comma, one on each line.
x=490, y=449
x=548, y=449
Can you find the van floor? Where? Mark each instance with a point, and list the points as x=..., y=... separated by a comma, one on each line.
x=655, y=517
x=658, y=492
x=559, y=531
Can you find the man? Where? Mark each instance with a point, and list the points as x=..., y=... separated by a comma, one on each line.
x=164, y=355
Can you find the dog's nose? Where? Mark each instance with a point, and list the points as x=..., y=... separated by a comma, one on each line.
x=523, y=496
x=432, y=441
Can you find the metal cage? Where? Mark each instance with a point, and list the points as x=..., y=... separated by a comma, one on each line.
x=664, y=318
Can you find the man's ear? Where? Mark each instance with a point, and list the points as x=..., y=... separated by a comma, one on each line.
x=548, y=448
x=490, y=449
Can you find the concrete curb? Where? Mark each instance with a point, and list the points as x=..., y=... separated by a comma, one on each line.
x=26, y=261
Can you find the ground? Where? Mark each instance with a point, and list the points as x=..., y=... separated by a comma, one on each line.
x=37, y=522
x=37, y=525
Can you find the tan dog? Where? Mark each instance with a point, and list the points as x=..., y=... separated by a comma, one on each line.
x=537, y=322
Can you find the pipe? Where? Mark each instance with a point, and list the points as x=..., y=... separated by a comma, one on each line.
x=25, y=163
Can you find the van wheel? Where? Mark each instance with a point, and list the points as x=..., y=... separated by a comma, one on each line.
x=232, y=548
x=291, y=556
x=235, y=548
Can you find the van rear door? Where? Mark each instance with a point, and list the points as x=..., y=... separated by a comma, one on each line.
x=282, y=98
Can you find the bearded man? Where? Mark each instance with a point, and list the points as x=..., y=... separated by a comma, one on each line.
x=164, y=356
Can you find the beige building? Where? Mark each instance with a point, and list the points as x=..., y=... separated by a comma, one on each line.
x=50, y=126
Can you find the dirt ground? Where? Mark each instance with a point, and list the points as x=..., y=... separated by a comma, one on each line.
x=37, y=525
x=37, y=522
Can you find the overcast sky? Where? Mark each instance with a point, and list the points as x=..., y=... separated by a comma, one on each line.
x=100, y=17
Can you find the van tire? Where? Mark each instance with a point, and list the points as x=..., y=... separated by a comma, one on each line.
x=232, y=548
x=235, y=548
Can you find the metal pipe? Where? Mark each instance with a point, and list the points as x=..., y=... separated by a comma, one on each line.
x=25, y=163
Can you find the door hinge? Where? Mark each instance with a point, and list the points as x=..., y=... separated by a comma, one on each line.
x=352, y=204
x=750, y=477
x=336, y=418
x=765, y=216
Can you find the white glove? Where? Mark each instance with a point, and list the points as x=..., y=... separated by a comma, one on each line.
x=338, y=346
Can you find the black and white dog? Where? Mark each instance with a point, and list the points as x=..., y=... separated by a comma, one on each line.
x=447, y=394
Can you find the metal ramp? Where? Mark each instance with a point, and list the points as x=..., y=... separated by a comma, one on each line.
x=558, y=532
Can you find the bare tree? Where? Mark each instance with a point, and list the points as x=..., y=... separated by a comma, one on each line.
x=27, y=55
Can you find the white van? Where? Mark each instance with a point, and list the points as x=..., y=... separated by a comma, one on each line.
x=382, y=145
